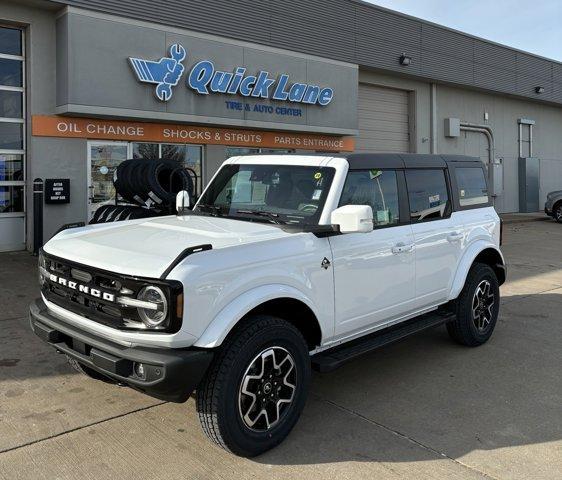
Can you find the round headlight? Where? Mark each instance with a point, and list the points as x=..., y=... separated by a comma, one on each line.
x=156, y=316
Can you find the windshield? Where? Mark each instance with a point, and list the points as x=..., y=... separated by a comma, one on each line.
x=287, y=194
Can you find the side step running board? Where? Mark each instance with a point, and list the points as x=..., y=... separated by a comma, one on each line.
x=333, y=358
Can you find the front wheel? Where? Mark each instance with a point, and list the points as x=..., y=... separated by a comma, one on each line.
x=478, y=306
x=256, y=387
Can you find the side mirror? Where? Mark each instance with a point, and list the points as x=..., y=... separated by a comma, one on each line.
x=353, y=218
x=183, y=201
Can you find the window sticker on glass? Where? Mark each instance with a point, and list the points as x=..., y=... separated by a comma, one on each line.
x=462, y=193
x=383, y=216
x=316, y=194
x=433, y=201
x=317, y=176
x=375, y=173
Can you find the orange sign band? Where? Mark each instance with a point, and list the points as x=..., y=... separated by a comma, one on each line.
x=71, y=127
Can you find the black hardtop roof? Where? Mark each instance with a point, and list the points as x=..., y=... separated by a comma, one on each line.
x=404, y=160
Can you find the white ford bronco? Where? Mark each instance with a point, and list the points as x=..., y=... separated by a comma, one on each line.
x=285, y=262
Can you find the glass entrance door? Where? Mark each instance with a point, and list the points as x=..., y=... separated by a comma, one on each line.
x=12, y=139
x=103, y=159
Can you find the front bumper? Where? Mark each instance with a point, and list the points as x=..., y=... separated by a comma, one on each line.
x=170, y=374
x=548, y=210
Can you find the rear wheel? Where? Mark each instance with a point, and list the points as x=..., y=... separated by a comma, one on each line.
x=477, y=307
x=256, y=388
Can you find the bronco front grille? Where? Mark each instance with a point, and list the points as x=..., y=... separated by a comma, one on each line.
x=92, y=293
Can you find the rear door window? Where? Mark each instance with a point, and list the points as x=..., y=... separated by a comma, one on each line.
x=472, y=187
x=376, y=188
x=428, y=194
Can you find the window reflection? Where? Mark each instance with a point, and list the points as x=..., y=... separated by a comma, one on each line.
x=11, y=199
x=146, y=150
x=11, y=168
x=11, y=72
x=11, y=136
x=10, y=41
x=11, y=104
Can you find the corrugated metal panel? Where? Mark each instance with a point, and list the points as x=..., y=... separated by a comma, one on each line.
x=447, y=43
x=494, y=78
x=448, y=69
x=526, y=86
x=495, y=56
x=303, y=35
x=386, y=55
x=327, y=12
x=533, y=66
x=383, y=117
x=383, y=24
x=351, y=31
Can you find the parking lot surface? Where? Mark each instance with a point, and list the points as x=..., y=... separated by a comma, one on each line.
x=422, y=408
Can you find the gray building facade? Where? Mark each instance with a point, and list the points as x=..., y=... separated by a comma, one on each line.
x=91, y=83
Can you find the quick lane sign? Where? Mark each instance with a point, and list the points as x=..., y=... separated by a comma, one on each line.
x=205, y=79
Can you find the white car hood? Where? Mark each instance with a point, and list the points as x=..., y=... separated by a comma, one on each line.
x=147, y=247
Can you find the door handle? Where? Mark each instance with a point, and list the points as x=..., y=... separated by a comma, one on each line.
x=455, y=237
x=402, y=248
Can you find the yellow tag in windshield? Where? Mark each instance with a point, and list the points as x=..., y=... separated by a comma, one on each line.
x=317, y=176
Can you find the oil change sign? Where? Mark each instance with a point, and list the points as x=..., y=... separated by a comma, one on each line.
x=205, y=79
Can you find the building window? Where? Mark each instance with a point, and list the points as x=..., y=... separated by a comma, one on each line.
x=105, y=156
x=190, y=156
x=12, y=121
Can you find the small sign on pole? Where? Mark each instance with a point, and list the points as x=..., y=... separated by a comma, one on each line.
x=57, y=190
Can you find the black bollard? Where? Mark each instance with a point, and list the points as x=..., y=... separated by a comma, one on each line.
x=37, y=215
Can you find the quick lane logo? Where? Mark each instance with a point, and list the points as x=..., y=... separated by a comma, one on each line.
x=165, y=73
x=94, y=292
x=205, y=79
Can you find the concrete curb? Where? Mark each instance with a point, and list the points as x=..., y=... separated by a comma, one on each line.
x=510, y=218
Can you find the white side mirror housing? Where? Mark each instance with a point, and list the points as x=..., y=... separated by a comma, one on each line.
x=183, y=201
x=353, y=218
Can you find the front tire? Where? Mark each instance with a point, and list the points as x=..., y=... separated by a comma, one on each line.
x=256, y=388
x=478, y=307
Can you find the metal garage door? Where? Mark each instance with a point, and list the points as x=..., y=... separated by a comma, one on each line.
x=383, y=119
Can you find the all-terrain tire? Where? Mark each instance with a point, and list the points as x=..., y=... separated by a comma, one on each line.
x=465, y=329
x=222, y=393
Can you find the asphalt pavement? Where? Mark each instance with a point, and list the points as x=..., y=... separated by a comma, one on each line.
x=423, y=408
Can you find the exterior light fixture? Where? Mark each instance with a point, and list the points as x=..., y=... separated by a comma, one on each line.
x=405, y=60
x=539, y=89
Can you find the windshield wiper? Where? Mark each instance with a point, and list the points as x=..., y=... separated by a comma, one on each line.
x=212, y=209
x=272, y=217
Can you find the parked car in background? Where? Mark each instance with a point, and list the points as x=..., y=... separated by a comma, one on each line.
x=553, y=205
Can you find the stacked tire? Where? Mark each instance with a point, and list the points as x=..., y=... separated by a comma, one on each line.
x=152, y=183
x=149, y=188
x=117, y=213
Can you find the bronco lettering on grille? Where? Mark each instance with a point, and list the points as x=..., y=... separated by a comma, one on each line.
x=94, y=292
